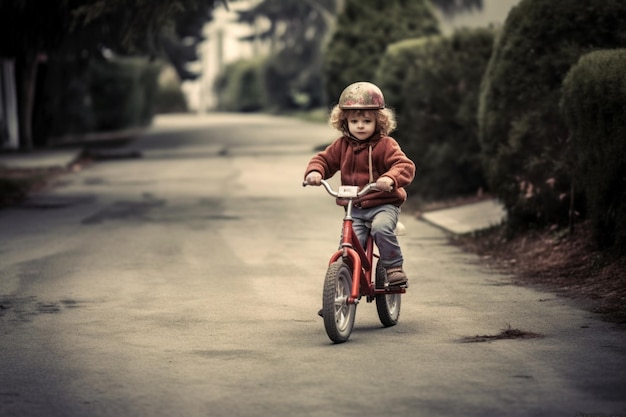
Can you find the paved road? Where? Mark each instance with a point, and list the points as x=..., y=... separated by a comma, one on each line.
x=187, y=282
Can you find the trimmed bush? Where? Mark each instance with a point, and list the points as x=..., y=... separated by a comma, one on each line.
x=239, y=87
x=122, y=92
x=433, y=84
x=523, y=136
x=392, y=72
x=170, y=97
x=90, y=95
x=593, y=103
x=63, y=102
x=364, y=30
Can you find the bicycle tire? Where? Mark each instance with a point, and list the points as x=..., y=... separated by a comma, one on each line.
x=338, y=314
x=387, y=305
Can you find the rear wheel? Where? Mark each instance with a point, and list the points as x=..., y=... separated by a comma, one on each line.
x=338, y=314
x=387, y=305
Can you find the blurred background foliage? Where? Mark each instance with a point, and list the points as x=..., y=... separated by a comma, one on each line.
x=594, y=91
x=437, y=125
x=530, y=112
x=55, y=44
x=525, y=141
x=364, y=29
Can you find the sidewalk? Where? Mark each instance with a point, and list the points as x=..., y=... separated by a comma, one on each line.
x=39, y=159
x=73, y=146
x=467, y=218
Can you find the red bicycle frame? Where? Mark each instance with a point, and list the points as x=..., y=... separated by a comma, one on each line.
x=360, y=259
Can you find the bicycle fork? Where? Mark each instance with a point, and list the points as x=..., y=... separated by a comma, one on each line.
x=357, y=258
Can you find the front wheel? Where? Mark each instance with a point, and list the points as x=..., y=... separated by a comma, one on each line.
x=387, y=305
x=338, y=313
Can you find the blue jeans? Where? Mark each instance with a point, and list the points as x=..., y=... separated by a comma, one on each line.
x=381, y=222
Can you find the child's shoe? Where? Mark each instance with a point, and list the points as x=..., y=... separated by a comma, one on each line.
x=396, y=276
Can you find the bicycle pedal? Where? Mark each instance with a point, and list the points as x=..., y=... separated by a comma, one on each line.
x=395, y=287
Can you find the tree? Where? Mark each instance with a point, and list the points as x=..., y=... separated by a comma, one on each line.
x=300, y=32
x=31, y=31
x=296, y=32
x=180, y=45
x=364, y=29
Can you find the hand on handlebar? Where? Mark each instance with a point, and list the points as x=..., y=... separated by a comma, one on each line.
x=384, y=183
x=314, y=178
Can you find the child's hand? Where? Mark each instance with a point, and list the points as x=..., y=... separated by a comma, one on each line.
x=314, y=178
x=384, y=184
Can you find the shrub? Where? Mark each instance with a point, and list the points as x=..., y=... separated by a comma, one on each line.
x=239, y=87
x=122, y=92
x=594, y=98
x=523, y=137
x=82, y=95
x=169, y=97
x=63, y=102
x=433, y=85
x=364, y=29
x=395, y=64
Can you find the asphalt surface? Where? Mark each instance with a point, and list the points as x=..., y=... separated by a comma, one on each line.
x=187, y=281
x=458, y=220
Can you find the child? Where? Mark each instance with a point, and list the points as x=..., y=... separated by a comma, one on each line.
x=364, y=154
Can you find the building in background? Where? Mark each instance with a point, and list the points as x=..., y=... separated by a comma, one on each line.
x=222, y=46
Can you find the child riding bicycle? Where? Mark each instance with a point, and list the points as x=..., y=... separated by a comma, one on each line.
x=366, y=154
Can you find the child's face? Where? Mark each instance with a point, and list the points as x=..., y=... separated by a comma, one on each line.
x=361, y=124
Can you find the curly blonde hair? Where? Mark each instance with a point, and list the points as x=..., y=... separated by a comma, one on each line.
x=385, y=119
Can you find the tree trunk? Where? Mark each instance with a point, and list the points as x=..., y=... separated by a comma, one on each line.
x=27, y=90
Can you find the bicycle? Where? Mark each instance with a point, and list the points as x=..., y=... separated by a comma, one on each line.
x=342, y=292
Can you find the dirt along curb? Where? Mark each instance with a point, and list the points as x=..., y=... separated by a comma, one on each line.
x=568, y=265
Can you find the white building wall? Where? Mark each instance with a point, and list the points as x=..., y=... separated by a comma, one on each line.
x=222, y=46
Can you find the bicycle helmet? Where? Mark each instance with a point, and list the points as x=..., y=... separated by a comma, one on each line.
x=361, y=95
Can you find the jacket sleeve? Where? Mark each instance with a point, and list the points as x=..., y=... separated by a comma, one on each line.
x=399, y=167
x=326, y=162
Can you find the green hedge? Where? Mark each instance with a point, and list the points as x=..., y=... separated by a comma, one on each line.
x=122, y=92
x=593, y=103
x=63, y=100
x=523, y=136
x=239, y=87
x=433, y=84
x=364, y=30
x=392, y=72
x=89, y=95
x=170, y=97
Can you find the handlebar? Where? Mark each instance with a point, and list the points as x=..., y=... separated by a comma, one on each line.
x=347, y=191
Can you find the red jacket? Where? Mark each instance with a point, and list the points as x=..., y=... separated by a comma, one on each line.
x=352, y=159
